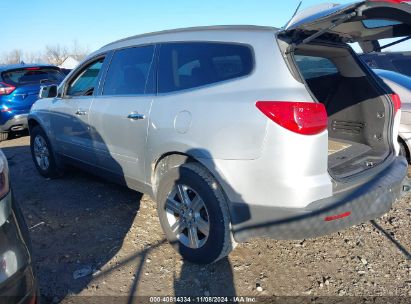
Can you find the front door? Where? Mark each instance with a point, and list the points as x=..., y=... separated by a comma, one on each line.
x=70, y=113
x=119, y=115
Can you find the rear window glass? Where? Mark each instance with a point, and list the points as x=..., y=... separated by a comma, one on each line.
x=32, y=76
x=313, y=67
x=189, y=65
x=376, y=23
x=128, y=71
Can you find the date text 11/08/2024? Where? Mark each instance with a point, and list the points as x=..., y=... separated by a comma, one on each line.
x=204, y=299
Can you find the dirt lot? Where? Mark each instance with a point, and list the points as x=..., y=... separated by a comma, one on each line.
x=80, y=222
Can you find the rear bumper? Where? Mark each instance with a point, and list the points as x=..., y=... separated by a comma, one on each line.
x=18, y=121
x=364, y=202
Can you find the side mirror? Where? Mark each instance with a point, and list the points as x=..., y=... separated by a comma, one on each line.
x=48, y=91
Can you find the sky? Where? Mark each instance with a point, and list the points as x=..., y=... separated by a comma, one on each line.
x=30, y=25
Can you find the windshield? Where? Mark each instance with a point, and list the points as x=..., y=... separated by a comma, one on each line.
x=32, y=76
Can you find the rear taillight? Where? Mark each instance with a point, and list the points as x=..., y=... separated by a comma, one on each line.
x=305, y=118
x=6, y=89
x=396, y=100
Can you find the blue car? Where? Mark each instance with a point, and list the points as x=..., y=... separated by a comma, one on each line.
x=19, y=89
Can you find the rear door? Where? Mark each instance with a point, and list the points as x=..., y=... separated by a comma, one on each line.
x=119, y=115
x=70, y=112
x=361, y=21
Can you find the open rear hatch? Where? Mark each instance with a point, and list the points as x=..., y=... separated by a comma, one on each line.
x=362, y=21
x=361, y=109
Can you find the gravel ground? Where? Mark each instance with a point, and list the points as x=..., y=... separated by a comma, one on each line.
x=80, y=223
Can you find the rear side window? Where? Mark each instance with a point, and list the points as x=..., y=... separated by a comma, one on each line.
x=129, y=70
x=32, y=75
x=189, y=65
x=313, y=67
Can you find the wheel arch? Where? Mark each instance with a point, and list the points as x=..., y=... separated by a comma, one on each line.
x=32, y=122
x=407, y=149
x=174, y=159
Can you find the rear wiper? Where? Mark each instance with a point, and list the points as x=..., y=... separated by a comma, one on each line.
x=337, y=22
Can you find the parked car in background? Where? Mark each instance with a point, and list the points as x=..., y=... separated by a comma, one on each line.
x=17, y=280
x=230, y=129
x=401, y=84
x=65, y=71
x=399, y=62
x=19, y=89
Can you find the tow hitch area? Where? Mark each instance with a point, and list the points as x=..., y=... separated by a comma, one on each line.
x=406, y=187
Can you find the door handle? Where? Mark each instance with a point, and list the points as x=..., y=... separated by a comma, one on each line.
x=135, y=116
x=80, y=112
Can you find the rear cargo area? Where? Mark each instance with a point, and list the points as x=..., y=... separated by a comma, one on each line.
x=358, y=110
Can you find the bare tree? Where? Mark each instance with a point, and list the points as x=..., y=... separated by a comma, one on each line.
x=78, y=51
x=55, y=54
x=12, y=57
x=33, y=57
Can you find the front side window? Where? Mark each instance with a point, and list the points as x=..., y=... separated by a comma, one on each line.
x=189, y=65
x=313, y=66
x=85, y=82
x=129, y=70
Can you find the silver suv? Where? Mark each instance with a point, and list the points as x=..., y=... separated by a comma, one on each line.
x=237, y=131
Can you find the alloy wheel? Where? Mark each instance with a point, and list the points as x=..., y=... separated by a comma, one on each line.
x=41, y=152
x=187, y=216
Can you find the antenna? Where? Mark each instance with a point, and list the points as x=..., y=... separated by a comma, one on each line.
x=295, y=13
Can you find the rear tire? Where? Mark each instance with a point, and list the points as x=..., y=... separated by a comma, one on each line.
x=199, y=228
x=4, y=136
x=42, y=153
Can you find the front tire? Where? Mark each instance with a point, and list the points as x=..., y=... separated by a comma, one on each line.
x=194, y=214
x=42, y=153
x=4, y=136
x=404, y=150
